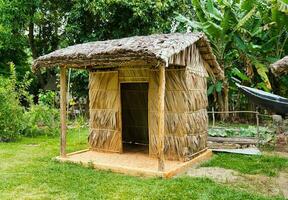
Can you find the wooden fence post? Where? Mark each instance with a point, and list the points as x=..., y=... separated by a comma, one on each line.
x=213, y=117
x=161, y=118
x=63, y=111
x=258, y=131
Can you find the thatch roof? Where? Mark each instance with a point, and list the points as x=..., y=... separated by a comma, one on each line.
x=280, y=67
x=141, y=50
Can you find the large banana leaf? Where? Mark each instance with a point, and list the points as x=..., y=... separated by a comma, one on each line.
x=262, y=71
x=241, y=75
x=243, y=32
x=229, y=20
x=212, y=29
x=193, y=24
x=282, y=6
x=213, y=11
x=245, y=19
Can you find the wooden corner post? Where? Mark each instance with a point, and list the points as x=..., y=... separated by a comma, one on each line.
x=63, y=112
x=161, y=106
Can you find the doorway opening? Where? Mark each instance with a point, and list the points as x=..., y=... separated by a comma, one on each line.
x=134, y=111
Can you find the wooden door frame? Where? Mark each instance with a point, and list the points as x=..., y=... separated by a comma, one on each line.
x=120, y=112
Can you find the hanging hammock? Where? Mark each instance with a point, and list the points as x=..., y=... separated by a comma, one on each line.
x=272, y=102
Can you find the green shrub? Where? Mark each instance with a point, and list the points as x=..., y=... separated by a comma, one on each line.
x=11, y=113
x=41, y=120
x=47, y=98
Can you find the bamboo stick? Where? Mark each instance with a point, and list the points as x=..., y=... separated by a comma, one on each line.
x=63, y=111
x=161, y=102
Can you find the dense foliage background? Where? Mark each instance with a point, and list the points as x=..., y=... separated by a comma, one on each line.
x=246, y=36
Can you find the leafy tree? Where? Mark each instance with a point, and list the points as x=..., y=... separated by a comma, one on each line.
x=246, y=37
x=13, y=44
x=44, y=26
x=110, y=19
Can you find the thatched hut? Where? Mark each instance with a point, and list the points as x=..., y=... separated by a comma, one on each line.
x=143, y=90
x=280, y=67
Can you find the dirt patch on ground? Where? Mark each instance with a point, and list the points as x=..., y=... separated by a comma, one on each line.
x=282, y=182
x=218, y=174
x=261, y=184
x=277, y=153
x=270, y=186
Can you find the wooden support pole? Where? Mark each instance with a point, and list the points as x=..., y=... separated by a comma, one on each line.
x=63, y=111
x=161, y=105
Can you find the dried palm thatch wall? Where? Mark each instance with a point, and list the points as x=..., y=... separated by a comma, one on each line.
x=186, y=119
x=104, y=111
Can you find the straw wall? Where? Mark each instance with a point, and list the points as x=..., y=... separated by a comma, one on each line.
x=186, y=120
x=104, y=108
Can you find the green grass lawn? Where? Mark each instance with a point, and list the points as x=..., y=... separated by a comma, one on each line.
x=27, y=171
x=266, y=165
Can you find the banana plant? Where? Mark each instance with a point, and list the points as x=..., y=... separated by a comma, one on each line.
x=243, y=33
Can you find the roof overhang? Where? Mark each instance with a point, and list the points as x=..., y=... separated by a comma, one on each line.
x=149, y=50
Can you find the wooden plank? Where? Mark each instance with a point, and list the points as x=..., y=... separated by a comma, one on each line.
x=161, y=122
x=78, y=152
x=63, y=112
x=203, y=156
x=237, y=140
x=245, y=151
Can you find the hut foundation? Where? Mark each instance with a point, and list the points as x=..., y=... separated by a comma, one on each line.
x=134, y=164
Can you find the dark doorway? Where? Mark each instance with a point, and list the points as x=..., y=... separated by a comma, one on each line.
x=134, y=103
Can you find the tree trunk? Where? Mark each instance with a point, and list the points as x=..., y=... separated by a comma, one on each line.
x=31, y=40
x=223, y=100
x=31, y=32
